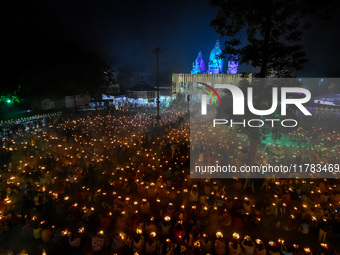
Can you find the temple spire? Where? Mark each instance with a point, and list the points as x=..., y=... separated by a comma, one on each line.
x=198, y=65
x=215, y=62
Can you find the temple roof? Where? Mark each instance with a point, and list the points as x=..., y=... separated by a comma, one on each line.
x=217, y=44
x=215, y=51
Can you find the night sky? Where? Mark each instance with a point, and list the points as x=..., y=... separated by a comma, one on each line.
x=124, y=33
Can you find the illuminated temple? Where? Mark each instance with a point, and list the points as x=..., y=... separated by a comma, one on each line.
x=215, y=64
x=182, y=82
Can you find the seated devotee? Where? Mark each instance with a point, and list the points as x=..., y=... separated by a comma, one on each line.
x=46, y=234
x=118, y=242
x=273, y=249
x=138, y=242
x=37, y=231
x=234, y=247
x=206, y=244
x=220, y=246
x=194, y=236
x=248, y=245
x=74, y=241
x=151, y=246
x=260, y=249
x=11, y=219
x=178, y=232
x=150, y=226
x=97, y=241
x=304, y=227
x=166, y=226
x=166, y=248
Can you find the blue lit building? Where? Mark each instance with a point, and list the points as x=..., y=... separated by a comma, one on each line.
x=215, y=64
x=198, y=65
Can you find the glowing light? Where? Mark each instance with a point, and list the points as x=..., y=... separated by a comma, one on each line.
x=64, y=233
x=324, y=245
x=236, y=236
x=247, y=238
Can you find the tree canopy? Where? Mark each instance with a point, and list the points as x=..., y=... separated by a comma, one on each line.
x=267, y=33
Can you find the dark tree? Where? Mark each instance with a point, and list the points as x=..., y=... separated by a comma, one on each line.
x=262, y=100
x=267, y=35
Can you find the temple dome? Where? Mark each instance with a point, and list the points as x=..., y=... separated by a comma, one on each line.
x=215, y=63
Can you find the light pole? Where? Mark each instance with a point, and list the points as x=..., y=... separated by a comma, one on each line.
x=320, y=86
x=188, y=99
x=157, y=51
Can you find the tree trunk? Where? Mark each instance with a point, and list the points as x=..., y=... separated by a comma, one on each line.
x=252, y=150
